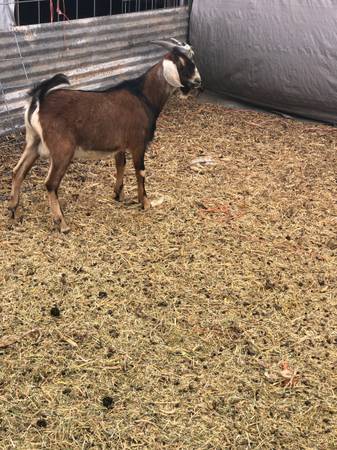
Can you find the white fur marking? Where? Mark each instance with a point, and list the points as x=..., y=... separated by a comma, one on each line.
x=182, y=61
x=196, y=77
x=84, y=154
x=30, y=133
x=189, y=50
x=35, y=124
x=30, y=136
x=171, y=73
x=59, y=86
x=43, y=150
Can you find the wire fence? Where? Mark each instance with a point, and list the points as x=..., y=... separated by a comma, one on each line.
x=28, y=12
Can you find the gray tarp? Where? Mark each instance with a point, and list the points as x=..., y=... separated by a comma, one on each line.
x=280, y=54
x=6, y=14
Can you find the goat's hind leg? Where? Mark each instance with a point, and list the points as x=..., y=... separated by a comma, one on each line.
x=28, y=157
x=58, y=166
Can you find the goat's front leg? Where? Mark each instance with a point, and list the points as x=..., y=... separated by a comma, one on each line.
x=120, y=160
x=29, y=156
x=138, y=161
x=58, y=166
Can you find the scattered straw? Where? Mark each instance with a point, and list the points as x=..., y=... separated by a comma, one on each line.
x=156, y=328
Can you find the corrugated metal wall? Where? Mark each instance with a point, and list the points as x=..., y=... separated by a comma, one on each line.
x=93, y=52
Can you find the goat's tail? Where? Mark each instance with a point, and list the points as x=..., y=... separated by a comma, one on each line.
x=39, y=92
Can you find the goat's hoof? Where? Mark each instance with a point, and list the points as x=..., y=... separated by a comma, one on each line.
x=61, y=226
x=64, y=229
x=11, y=213
x=119, y=197
x=146, y=204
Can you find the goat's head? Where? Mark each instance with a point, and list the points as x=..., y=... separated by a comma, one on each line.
x=179, y=68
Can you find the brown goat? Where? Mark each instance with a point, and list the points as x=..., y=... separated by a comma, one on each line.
x=63, y=124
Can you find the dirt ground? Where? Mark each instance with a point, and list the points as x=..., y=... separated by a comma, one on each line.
x=207, y=322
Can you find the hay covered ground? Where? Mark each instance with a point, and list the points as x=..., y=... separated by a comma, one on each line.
x=208, y=322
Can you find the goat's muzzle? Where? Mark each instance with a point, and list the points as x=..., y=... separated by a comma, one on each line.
x=197, y=83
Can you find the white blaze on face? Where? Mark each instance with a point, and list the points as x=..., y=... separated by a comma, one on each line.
x=196, y=77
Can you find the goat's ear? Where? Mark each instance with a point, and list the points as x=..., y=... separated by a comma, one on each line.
x=171, y=73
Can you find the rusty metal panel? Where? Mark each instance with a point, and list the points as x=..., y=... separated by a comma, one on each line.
x=94, y=53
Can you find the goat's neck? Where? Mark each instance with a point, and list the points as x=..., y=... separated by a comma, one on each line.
x=156, y=89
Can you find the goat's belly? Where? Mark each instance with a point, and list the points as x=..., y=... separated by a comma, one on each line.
x=85, y=154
